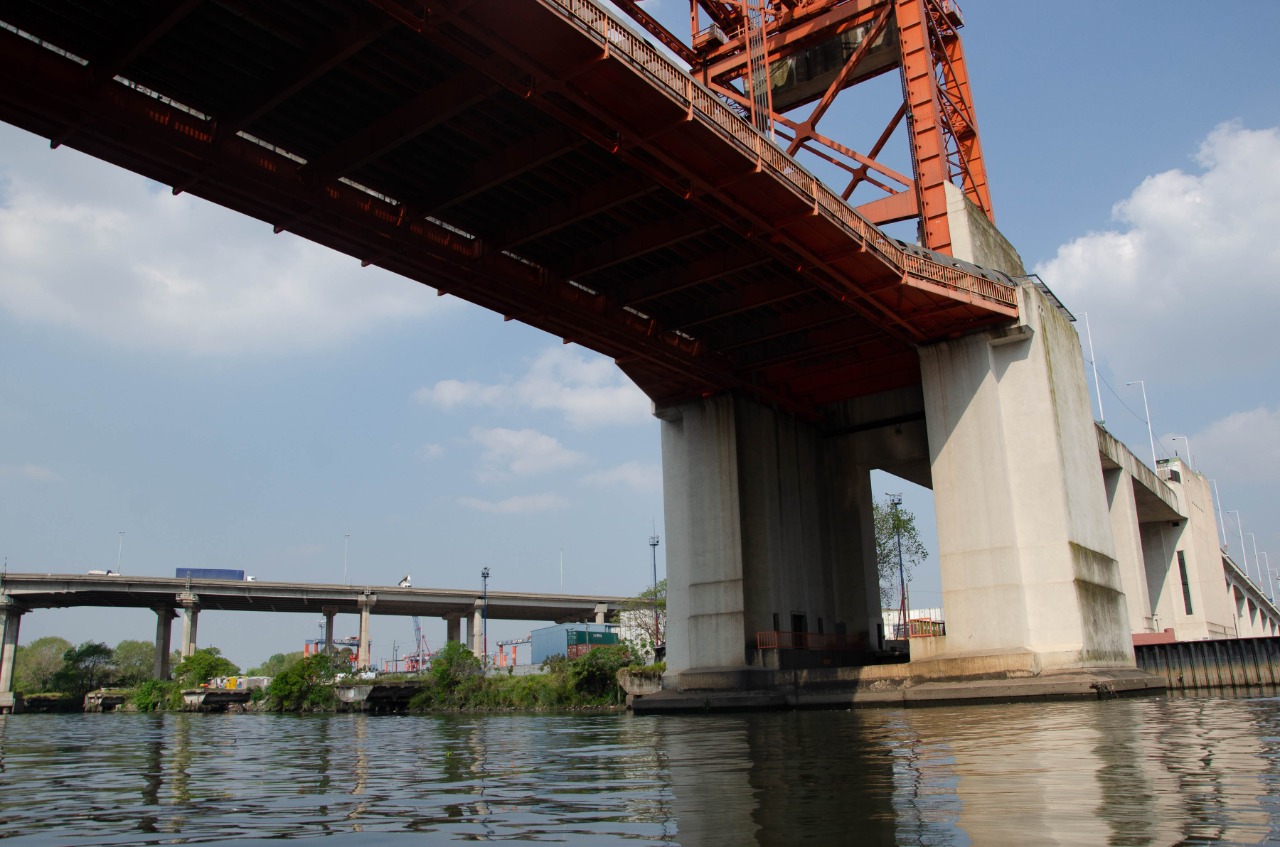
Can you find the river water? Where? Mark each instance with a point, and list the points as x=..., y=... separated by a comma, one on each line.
x=1124, y=772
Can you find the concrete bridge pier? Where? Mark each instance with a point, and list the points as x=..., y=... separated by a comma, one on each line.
x=329, y=612
x=366, y=601
x=10, y=619
x=164, y=637
x=1030, y=577
x=475, y=629
x=453, y=628
x=190, y=620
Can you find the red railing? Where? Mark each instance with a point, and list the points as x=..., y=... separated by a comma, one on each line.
x=920, y=628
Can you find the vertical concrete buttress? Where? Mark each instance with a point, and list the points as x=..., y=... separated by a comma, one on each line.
x=1029, y=573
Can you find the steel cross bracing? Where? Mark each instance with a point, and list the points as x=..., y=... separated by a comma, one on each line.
x=536, y=157
x=852, y=41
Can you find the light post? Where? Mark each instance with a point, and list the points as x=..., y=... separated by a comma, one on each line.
x=119, y=550
x=1097, y=387
x=484, y=615
x=1221, y=526
x=895, y=500
x=1240, y=529
x=653, y=544
x=1190, y=462
x=346, y=545
x=1146, y=410
x=1256, y=563
x=1271, y=575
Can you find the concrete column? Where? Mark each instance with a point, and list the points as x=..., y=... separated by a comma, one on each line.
x=329, y=613
x=191, y=617
x=164, y=638
x=1127, y=534
x=363, y=660
x=452, y=629
x=768, y=528
x=1029, y=573
x=10, y=618
x=475, y=629
x=601, y=610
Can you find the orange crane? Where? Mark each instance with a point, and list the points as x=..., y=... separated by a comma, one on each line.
x=804, y=53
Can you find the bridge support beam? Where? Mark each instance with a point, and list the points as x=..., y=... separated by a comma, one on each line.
x=768, y=528
x=10, y=619
x=329, y=613
x=190, y=620
x=1029, y=573
x=164, y=638
x=452, y=629
x=475, y=630
x=364, y=660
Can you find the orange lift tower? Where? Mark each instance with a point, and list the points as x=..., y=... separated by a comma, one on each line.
x=774, y=58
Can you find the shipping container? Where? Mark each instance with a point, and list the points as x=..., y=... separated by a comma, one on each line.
x=556, y=640
x=209, y=573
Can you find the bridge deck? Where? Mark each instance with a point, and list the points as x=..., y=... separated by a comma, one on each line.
x=535, y=157
x=49, y=591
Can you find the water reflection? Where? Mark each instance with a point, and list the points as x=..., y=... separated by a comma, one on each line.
x=1152, y=771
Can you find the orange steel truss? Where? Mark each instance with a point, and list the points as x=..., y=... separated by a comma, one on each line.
x=818, y=48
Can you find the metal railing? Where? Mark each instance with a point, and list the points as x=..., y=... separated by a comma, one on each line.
x=919, y=628
x=700, y=103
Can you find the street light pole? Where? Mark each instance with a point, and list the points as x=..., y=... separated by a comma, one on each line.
x=1097, y=387
x=119, y=550
x=653, y=544
x=484, y=617
x=346, y=545
x=1221, y=525
x=1271, y=575
x=1240, y=529
x=1256, y=563
x=1146, y=410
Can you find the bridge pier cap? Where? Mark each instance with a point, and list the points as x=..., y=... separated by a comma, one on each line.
x=768, y=523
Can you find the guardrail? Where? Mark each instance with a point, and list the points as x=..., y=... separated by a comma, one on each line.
x=919, y=628
x=700, y=102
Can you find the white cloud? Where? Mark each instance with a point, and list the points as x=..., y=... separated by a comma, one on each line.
x=587, y=389
x=1247, y=443
x=524, y=505
x=430, y=452
x=34, y=473
x=100, y=251
x=520, y=452
x=637, y=475
x=1190, y=270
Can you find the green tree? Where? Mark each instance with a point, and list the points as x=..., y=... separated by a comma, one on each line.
x=203, y=665
x=85, y=668
x=134, y=661
x=305, y=684
x=637, y=616
x=36, y=665
x=595, y=673
x=274, y=665
x=891, y=524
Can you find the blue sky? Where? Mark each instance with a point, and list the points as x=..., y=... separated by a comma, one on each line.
x=231, y=398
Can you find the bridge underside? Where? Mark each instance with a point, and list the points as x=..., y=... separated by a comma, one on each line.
x=532, y=157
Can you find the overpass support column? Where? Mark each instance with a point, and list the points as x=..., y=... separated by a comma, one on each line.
x=452, y=628
x=190, y=618
x=1126, y=531
x=602, y=609
x=475, y=630
x=767, y=523
x=1029, y=574
x=164, y=639
x=329, y=613
x=10, y=618
x=364, y=660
